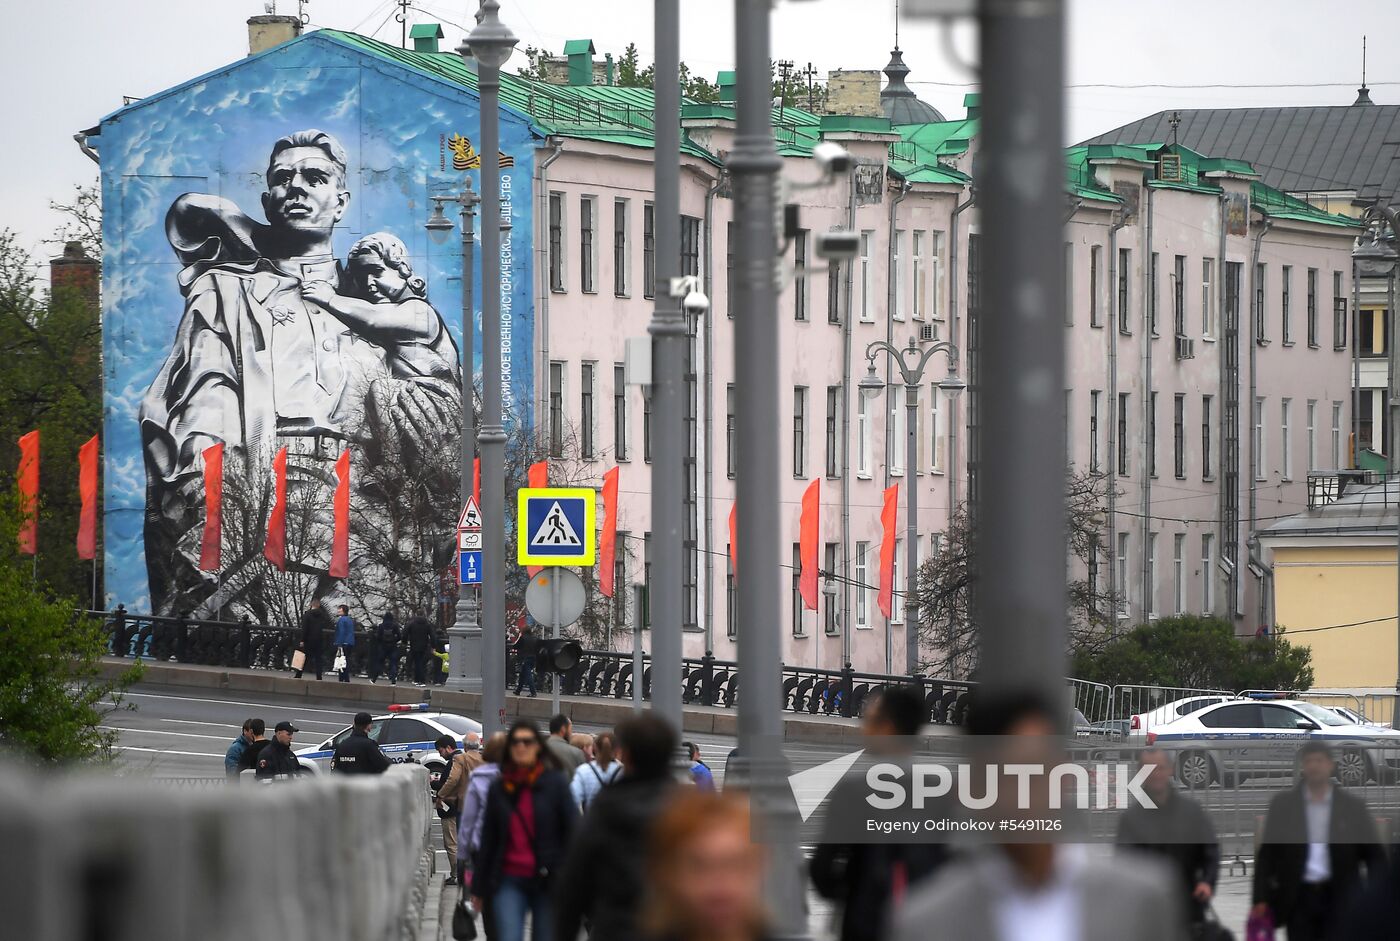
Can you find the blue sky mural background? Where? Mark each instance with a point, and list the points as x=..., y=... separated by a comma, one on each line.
x=213, y=135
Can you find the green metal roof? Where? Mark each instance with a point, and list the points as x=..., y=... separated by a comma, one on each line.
x=425, y=31
x=577, y=47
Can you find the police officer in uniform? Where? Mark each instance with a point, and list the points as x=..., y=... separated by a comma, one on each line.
x=277, y=760
x=357, y=753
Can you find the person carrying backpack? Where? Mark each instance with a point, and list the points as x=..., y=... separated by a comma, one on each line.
x=384, y=649
x=591, y=778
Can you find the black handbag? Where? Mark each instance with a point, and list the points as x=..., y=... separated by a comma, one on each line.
x=463, y=921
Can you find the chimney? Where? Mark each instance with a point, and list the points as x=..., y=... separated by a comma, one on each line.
x=725, y=82
x=854, y=93
x=425, y=37
x=270, y=30
x=609, y=59
x=972, y=101
x=76, y=274
x=579, y=52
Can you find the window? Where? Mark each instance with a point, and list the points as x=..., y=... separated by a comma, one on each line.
x=1152, y=434
x=933, y=306
x=1336, y=435
x=1125, y=261
x=796, y=590
x=1312, y=434
x=896, y=286
x=1152, y=294
x=729, y=430
x=897, y=594
x=556, y=410
x=731, y=595
x=1095, y=263
x=1123, y=591
x=1261, y=321
x=833, y=431
x=920, y=298
x=1206, y=403
x=619, y=412
x=863, y=442
x=1123, y=434
x=622, y=589
x=648, y=250
x=867, y=278
x=799, y=431
x=799, y=283
x=690, y=245
x=646, y=581
x=830, y=618
x=1179, y=436
x=1286, y=274
x=1094, y=431
x=729, y=246
x=1260, y=458
x=1069, y=284
x=862, y=585
x=586, y=428
x=1179, y=295
x=402, y=731
x=895, y=445
x=556, y=242
x=1363, y=403
x=1238, y=716
x=935, y=429
x=1207, y=298
x=587, y=254
x=1207, y=573
x=646, y=424
x=833, y=291
x=1375, y=332
x=1286, y=439
x=1093, y=575
x=1179, y=573
x=1312, y=308
x=621, y=258
x=1150, y=602
x=1339, y=313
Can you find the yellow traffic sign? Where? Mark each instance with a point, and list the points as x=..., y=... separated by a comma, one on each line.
x=555, y=526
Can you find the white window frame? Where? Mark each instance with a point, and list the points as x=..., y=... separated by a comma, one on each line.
x=896, y=270
x=916, y=252
x=863, y=437
x=1207, y=299
x=588, y=424
x=936, y=455
x=1207, y=572
x=1286, y=436
x=1312, y=434
x=1179, y=573
x=622, y=209
x=1336, y=435
x=1261, y=457
x=1151, y=586
x=894, y=445
x=1121, y=560
x=934, y=306
x=867, y=277
x=563, y=203
x=896, y=585
x=862, y=587
x=591, y=271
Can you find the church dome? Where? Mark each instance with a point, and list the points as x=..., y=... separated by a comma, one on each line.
x=901, y=105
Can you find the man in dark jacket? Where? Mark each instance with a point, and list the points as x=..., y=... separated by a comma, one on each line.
x=384, y=649
x=357, y=753
x=604, y=877
x=1317, y=838
x=1178, y=830
x=314, y=624
x=249, y=761
x=237, y=748
x=419, y=634
x=525, y=649
x=864, y=877
x=277, y=760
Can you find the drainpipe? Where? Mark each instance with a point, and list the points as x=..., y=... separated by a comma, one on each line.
x=847, y=294
x=1148, y=338
x=1111, y=328
x=542, y=267
x=707, y=413
x=1222, y=293
x=955, y=404
x=1254, y=418
x=891, y=300
x=87, y=149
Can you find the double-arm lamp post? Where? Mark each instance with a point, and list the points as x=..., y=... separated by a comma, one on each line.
x=911, y=362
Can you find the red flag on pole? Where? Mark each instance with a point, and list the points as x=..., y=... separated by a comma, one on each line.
x=607, y=542
x=535, y=478
x=29, y=493
x=809, y=535
x=888, y=522
x=734, y=540
x=275, y=549
x=211, y=543
x=87, y=498
x=340, y=544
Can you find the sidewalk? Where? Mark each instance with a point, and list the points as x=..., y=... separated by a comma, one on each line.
x=587, y=711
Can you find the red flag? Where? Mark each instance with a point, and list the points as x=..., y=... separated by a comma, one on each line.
x=607, y=543
x=211, y=544
x=535, y=478
x=87, y=497
x=29, y=493
x=476, y=481
x=275, y=549
x=340, y=543
x=888, y=517
x=734, y=539
x=809, y=535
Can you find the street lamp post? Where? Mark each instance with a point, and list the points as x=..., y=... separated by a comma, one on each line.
x=465, y=633
x=491, y=43
x=911, y=362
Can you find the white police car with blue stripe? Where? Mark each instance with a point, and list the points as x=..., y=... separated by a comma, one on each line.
x=406, y=735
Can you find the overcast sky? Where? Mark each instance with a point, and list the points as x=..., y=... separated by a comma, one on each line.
x=90, y=53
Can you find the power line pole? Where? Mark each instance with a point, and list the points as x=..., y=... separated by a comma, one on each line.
x=811, y=74
x=402, y=17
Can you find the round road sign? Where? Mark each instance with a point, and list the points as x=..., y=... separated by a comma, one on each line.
x=555, y=596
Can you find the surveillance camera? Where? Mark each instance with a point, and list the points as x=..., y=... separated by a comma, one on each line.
x=696, y=304
x=837, y=245
x=833, y=158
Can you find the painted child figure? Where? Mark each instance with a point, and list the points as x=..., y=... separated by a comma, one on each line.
x=387, y=306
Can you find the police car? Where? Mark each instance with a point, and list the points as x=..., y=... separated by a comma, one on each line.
x=406, y=734
x=1237, y=739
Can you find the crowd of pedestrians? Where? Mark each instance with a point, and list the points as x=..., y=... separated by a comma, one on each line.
x=417, y=648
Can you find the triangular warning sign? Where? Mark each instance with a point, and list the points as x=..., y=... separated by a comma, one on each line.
x=471, y=515
x=555, y=531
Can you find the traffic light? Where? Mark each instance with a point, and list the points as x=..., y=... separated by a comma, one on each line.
x=558, y=655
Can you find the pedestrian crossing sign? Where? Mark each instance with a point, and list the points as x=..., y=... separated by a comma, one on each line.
x=555, y=526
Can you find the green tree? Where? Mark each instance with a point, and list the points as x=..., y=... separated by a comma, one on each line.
x=1196, y=652
x=629, y=68
x=535, y=70
x=52, y=695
